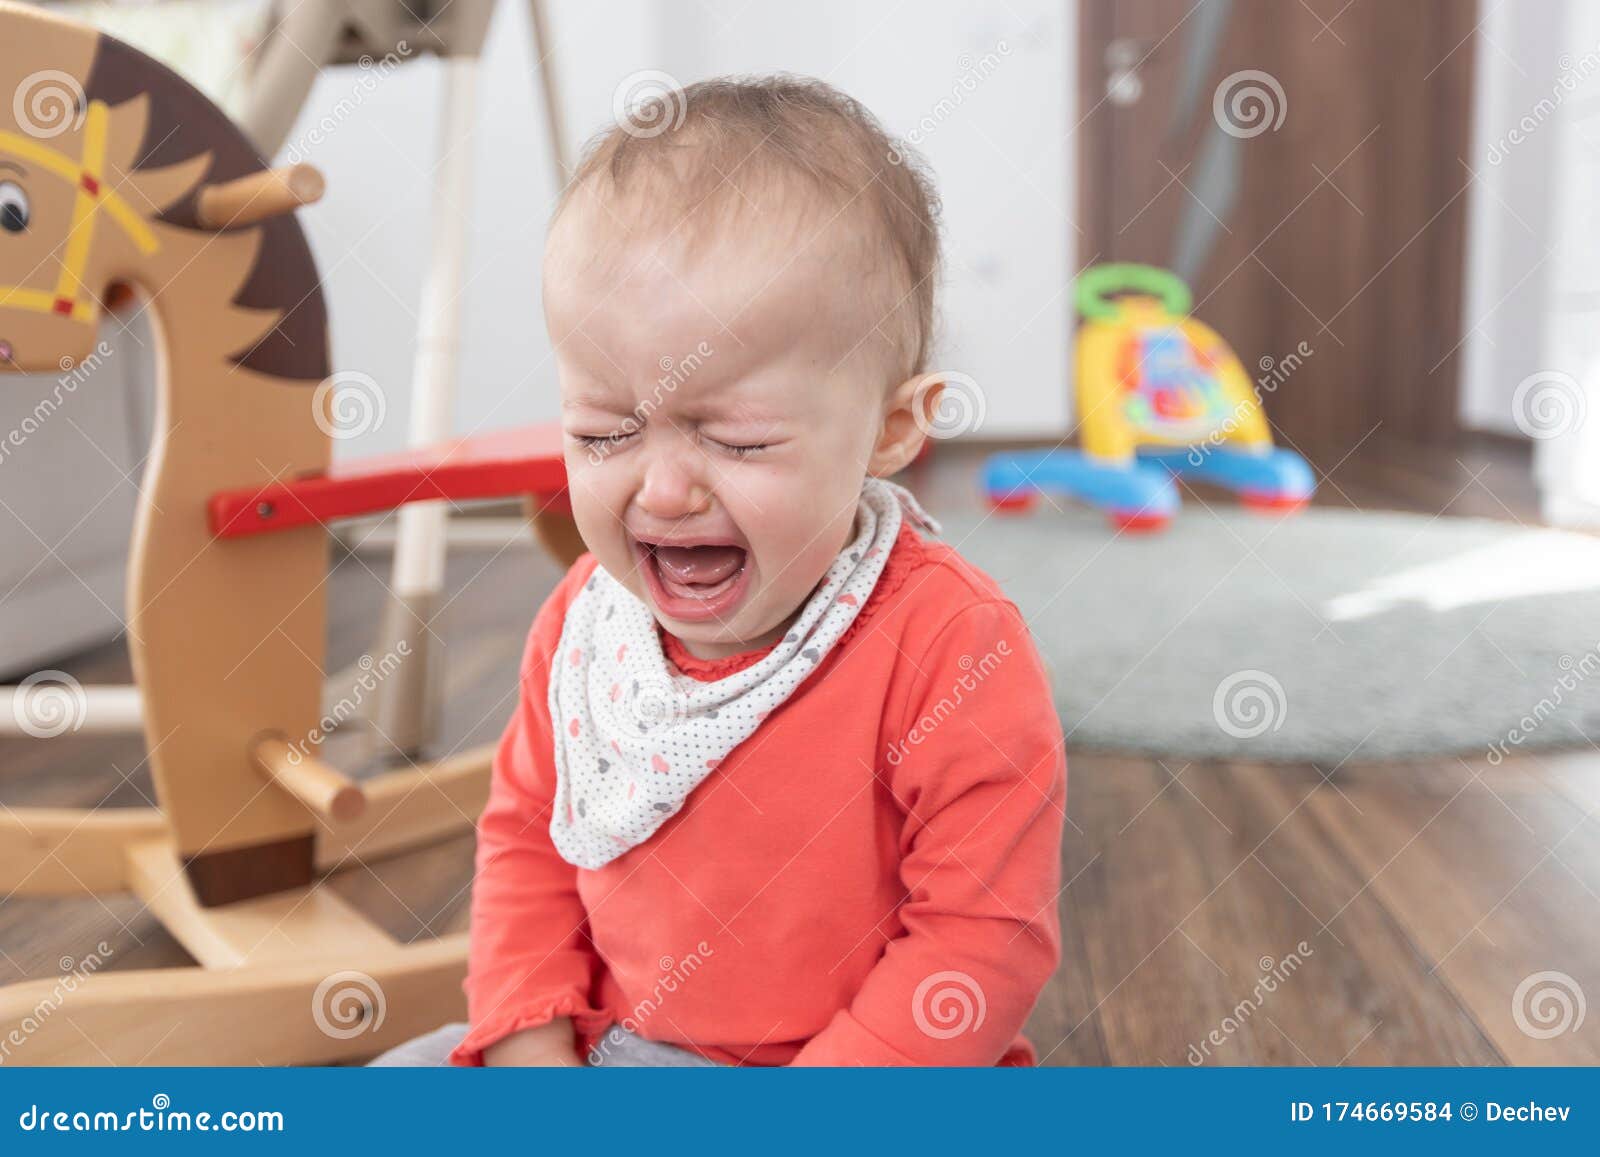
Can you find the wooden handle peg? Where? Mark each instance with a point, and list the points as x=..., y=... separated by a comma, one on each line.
x=257, y=197
x=326, y=791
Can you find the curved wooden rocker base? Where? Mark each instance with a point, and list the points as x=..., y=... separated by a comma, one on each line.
x=311, y=1011
x=81, y=851
x=295, y=977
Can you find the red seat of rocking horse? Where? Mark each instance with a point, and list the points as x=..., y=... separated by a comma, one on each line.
x=500, y=464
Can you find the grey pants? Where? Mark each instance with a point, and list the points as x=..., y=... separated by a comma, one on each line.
x=618, y=1049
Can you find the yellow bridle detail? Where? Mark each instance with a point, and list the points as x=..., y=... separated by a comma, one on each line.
x=87, y=175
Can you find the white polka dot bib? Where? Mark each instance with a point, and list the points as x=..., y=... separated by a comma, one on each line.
x=634, y=736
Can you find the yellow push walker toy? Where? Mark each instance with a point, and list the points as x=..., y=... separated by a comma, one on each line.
x=1160, y=396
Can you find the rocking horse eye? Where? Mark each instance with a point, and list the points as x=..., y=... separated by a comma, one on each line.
x=13, y=207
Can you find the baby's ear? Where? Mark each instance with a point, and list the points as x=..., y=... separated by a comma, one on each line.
x=908, y=415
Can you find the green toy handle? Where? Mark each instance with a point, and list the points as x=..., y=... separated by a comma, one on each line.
x=1125, y=277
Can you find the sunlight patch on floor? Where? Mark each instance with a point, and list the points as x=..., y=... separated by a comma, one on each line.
x=1533, y=563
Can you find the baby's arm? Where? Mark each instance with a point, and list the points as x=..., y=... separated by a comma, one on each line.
x=549, y=1046
x=983, y=784
x=531, y=963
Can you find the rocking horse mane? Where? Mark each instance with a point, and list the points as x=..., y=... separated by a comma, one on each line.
x=183, y=123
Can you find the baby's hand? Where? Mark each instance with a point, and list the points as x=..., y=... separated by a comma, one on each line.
x=547, y=1046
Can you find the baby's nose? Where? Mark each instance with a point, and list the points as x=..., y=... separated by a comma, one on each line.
x=669, y=491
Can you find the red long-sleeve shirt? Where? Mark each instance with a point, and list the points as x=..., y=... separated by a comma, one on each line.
x=870, y=879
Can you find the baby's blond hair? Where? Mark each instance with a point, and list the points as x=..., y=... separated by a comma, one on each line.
x=721, y=147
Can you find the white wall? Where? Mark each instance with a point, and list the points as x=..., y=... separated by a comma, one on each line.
x=999, y=145
x=371, y=233
x=1531, y=360
x=1001, y=153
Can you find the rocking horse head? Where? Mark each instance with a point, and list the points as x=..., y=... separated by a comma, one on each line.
x=118, y=182
x=105, y=158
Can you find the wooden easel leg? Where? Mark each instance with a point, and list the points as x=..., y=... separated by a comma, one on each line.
x=405, y=711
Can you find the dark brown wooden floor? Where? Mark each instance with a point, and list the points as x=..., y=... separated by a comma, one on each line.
x=1424, y=893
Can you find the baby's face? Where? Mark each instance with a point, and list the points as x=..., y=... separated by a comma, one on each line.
x=721, y=413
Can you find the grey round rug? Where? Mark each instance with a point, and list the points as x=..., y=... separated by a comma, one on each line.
x=1326, y=636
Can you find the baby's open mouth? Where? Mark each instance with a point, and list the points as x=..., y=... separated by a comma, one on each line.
x=694, y=581
x=697, y=571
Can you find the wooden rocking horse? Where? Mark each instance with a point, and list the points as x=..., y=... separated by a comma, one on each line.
x=117, y=178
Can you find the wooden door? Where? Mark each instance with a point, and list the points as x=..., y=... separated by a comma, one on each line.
x=1305, y=166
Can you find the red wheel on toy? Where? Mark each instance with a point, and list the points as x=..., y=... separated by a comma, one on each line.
x=1016, y=502
x=1138, y=522
x=1273, y=503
